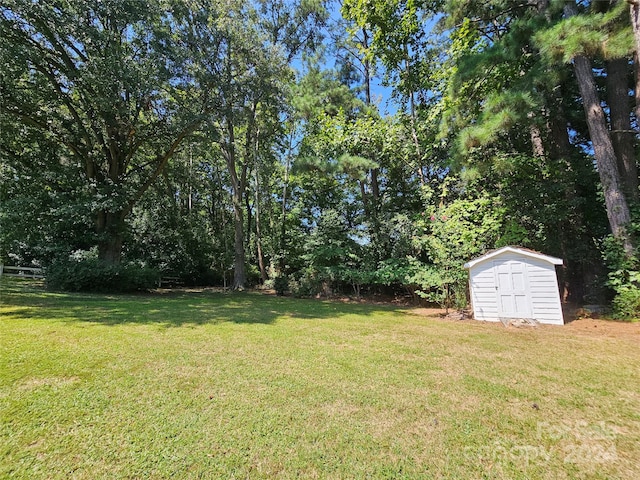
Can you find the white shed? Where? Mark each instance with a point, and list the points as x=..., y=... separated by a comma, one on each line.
x=512, y=283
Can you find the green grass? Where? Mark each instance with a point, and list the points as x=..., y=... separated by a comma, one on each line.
x=213, y=385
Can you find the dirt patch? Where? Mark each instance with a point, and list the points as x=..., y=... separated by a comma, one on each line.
x=590, y=326
x=608, y=328
x=429, y=312
x=53, y=382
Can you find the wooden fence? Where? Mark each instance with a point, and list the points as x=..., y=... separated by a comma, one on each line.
x=22, y=272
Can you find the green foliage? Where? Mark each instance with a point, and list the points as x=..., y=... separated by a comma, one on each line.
x=422, y=280
x=593, y=34
x=44, y=213
x=452, y=234
x=464, y=228
x=337, y=144
x=89, y=274
x=394, y=271
x=431, y=284
x=320, y=93
x=399, y=38
x=281, y=284
x=626, y=304
x=308, y=282
x=176, y=246
x=102, y=89
x=501, y=112
x=330, y=246
x=624, y=279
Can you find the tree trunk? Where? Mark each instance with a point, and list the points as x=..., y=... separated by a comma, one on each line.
x=414, y=136
x=249, y=210
x=634, y=10
x=237, y=195
x=559, y=152
x=412, y=119
x=560, y=146
x=636, y=63
x=261, y=265
x=616, y=204
x=365, y=203
x=110, y=230
x=622, y=136
x=615, y=201
x=239, y=270
x=110, y=250
x=366, y=64
x=537, y=145
x=556, y=151
x=375, y=188
x=283, y=225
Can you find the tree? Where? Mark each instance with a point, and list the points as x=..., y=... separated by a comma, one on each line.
x=316, y=94
x=395, y=33
x=573, y=40
x=182, y=224
x=518, y=103
x=251, y=63
x=108, y=86
x=504, y=112
x=634, y=14
x=44, y=213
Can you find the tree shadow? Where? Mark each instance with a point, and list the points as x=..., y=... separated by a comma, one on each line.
x=174, y=309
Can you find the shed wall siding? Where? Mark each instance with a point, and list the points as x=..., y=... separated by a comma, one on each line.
x=483, y=293
x=543, y=294
x=543, y=291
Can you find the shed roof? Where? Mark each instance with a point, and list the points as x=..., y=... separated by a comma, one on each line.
x=519, y=250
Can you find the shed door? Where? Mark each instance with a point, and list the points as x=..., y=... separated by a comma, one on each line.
x=511, y=286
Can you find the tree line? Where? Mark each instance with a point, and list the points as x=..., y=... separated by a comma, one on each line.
x=233, y=142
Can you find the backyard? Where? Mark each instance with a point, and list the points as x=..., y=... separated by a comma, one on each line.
x=205, y=384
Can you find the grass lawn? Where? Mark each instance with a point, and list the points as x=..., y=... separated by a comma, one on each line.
x=214, y=385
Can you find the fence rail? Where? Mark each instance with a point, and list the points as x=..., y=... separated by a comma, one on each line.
x=169, y=282
x=23, y=272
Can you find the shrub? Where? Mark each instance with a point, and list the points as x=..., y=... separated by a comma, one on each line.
x=253, y=275
x=307, y=284
x=433, y=283
x=624, y=279
x=93, y=275
x=281, y=284
x=626, y=304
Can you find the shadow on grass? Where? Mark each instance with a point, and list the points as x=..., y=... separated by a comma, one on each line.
x=176, y=309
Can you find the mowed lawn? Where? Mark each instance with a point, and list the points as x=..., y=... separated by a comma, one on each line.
x=215, y=385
